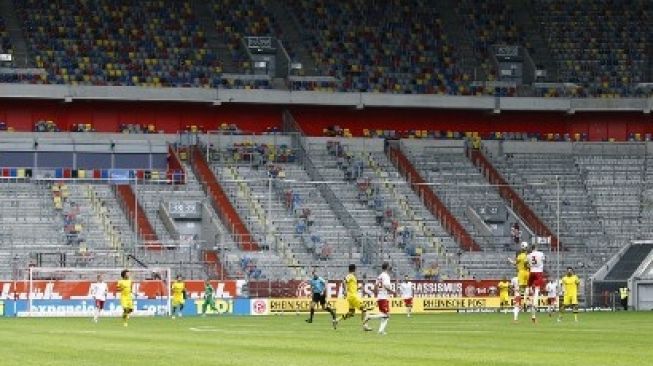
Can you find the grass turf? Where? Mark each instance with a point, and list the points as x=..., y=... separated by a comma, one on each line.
x=441, y=339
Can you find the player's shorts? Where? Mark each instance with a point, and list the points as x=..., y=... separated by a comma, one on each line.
x=570, y=300
x=384, y=305
x=536, y=279
x=99, y=304
x=319, y=298
x=522, y=278
x=176, y=301
x=127, y=305
x=551, y=300
x=354, y=302
x=503, y=299
x=408, y=302
x=517, y=300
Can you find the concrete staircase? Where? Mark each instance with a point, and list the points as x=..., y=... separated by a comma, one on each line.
x=629, y=262
x=21, y=55
x=460, y=39
x=293, y=38
x=538, y=48
x=204, y=15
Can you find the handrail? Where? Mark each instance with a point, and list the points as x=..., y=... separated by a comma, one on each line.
x=431, y=200
x=511, y=197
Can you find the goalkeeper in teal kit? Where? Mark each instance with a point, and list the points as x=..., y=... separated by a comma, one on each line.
x=208, y=298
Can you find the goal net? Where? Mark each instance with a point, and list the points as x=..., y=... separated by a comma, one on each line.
x=66, y=292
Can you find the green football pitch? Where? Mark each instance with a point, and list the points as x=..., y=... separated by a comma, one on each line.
x=441, y=339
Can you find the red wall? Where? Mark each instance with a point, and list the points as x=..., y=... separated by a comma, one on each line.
x=598, y=126
x=107, y=116
x=172, y=117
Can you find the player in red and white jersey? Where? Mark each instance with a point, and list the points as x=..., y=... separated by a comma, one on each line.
x=516, y=298
x=551, y=296
x=383, y=288
x=406, y=290
x=536, y=277
x=99, y=292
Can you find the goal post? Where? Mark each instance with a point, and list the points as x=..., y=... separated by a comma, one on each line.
x=66, y=292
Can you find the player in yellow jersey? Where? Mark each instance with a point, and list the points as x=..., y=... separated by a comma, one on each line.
x=504, y=296
x=570, y=284
x=521, y=264
x=178, y=290
x=350, y=284
x=125, y=289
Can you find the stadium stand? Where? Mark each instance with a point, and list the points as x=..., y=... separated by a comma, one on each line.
x=235, y=20
x=348, y=42
x=30, y=224
x=464, y=190
x=590, y=48
x=431, y=244
x=403, y=239
x=271, y=222
x=599, y=45
x=579, y=219
x=152, y=43
x=298, y=223
x=5, y=40
x=601, y=187
x=490, y=23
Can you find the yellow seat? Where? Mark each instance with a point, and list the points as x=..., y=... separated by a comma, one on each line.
x=81, y=173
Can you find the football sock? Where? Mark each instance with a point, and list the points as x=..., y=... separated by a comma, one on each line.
x=534, y=302
x=384, y=323
x=312, y=313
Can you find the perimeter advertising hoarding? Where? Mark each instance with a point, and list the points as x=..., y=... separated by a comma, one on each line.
x=80, y=290
x=143, y=307
x=421, y=288
x=420, y=305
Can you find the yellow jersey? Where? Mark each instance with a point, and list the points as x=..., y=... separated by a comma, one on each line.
x=178, y=289
x=125, y=288
x=351, y=285
x=522, y=262
x=503, y=287
x=570, y=285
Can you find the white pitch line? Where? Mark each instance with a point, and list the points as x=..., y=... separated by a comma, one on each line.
x=69, y=332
